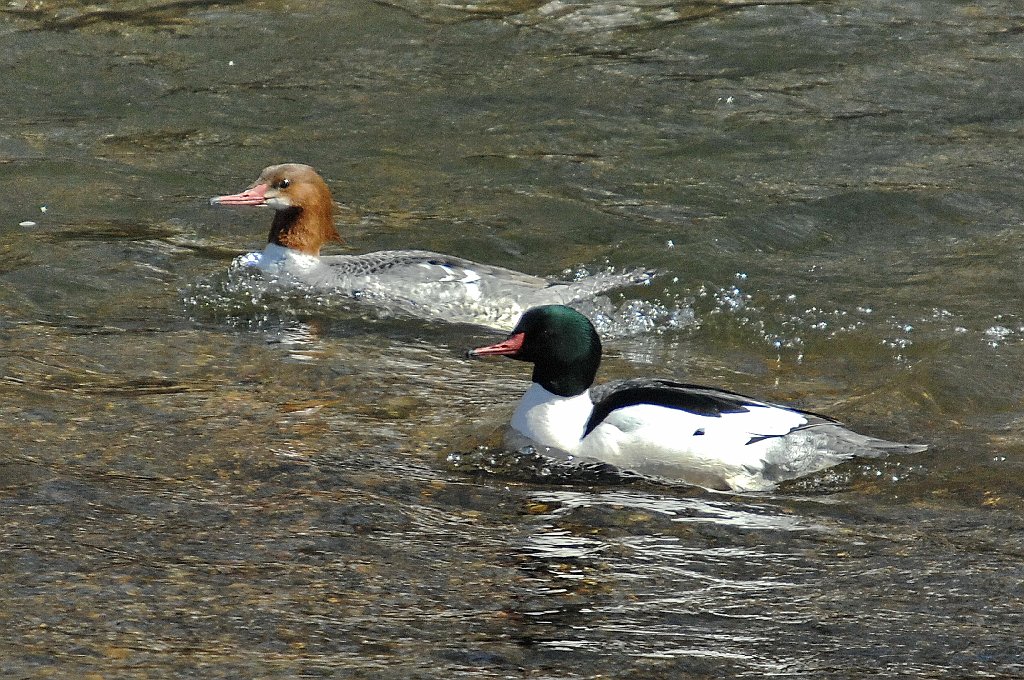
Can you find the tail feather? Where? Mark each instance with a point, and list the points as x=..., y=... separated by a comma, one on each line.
x=847, y=443
x=824, y=444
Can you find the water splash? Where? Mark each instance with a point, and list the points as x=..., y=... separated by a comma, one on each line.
x=528, y=465
x=792, y=325
x=1005, y=329
x=245, y=297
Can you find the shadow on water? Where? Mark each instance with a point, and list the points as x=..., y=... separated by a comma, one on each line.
x=206, y=474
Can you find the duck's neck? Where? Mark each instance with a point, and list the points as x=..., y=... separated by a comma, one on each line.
x=567, y=378
x=303, y=229
x=552, y=420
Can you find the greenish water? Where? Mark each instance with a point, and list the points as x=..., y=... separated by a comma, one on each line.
x=206, y=477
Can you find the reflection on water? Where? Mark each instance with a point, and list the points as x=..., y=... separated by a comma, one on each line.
x=683, y=509
x=621, y=575
x=206, y=474
x=579, y=17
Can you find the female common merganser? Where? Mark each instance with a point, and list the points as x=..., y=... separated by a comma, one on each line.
x=423, y=283
x=700, y=435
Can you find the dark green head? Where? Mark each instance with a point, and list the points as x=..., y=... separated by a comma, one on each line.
x=562, y=345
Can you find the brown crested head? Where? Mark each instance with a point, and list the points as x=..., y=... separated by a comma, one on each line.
x=304, y=209
x=302, y=203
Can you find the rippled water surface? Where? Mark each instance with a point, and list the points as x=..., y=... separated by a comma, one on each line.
x=204, y=476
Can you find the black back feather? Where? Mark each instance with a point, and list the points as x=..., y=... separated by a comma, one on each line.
x=702, y=401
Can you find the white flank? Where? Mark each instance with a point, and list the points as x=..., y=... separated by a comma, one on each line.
x=727, y=451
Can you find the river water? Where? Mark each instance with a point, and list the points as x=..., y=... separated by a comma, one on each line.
x=202, y=476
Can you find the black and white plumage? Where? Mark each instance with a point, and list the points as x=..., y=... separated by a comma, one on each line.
x=700, y=435
x=426, y=284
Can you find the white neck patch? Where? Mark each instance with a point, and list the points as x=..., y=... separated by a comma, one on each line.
x=278, y=257
x=551, y=420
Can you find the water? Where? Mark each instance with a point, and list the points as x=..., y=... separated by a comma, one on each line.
x=204, y=476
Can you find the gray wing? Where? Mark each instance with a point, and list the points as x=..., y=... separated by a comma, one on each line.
x=425, y=267
x=437, y=286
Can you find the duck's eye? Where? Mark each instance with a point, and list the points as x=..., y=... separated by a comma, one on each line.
x=284, y=184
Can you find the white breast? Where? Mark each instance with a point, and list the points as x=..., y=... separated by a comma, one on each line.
x=551, y=420
x=278, y=259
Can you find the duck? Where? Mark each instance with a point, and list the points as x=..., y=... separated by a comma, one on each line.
x=422, y=283
x=702, y=436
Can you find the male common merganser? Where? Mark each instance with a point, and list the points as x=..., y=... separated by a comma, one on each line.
x=426, y=284
x=700, y=435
